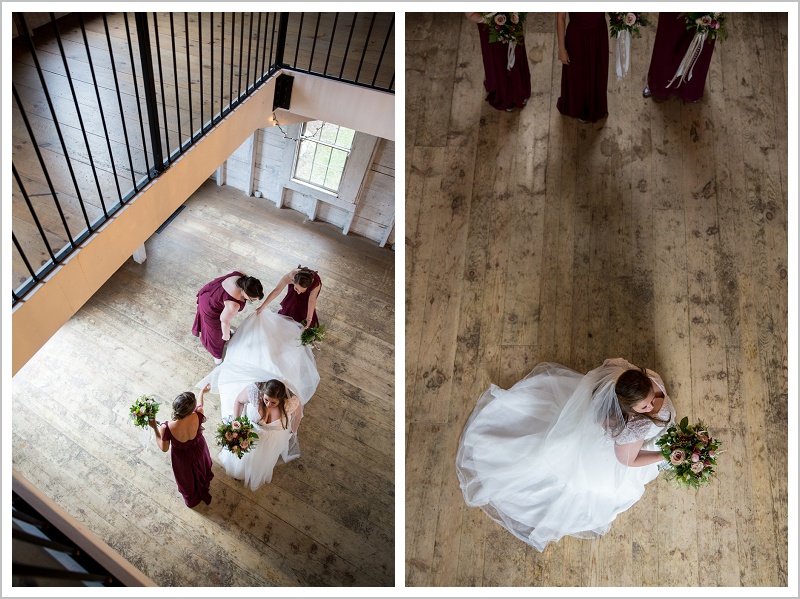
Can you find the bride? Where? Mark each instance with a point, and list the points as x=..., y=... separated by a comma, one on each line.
x=268, y=375
x=561, y=453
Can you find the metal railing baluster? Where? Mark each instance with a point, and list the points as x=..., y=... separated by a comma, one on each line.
x=366, y=45
x=175, y=83
x=383, y=51
x=121, y=112
x=189, y=77
x=161, y=84
x=138, y=103
x=347, y=48
x=330, y=43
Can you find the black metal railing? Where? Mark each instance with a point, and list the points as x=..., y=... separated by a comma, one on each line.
x=105, y=102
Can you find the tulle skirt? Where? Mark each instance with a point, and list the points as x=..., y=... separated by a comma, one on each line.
x=274, y=445
x=532, y=477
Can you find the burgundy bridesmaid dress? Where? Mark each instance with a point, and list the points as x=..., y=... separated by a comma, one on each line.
x=210, y=304
x=295, y=305
x=672, y=41
x=584, y=81
x=191, y=465
x=507, y=89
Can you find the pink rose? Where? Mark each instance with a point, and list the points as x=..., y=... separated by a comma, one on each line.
x=245, y=444
x=235, y=435
x=630, y=19
x=677, y=457
x=500, y=20
x=695, y=457
x=715, y=25
x=703, y=437
x=514, y=18
x=712, y=454
x=236, y=425
x=228, y=436
x=697, y=467
x=706, y=20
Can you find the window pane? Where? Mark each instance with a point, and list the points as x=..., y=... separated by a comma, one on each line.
x=318, y=173
x=333, y=178
x=323, y=155
x=345, y=137
x=338, y=158
x=328, y=133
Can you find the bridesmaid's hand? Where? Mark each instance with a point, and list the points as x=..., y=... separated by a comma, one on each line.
x=563, y=56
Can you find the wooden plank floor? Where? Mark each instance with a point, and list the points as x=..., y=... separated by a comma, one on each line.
x=100, y=171
x=327, y=518
x=659, y=235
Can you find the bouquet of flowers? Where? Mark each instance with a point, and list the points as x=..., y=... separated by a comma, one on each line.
x=627, y=21
x=710, y=23
x=312, y=335
x=505, y=26
x=236, y=435
x=143, y=409
x=691, y=453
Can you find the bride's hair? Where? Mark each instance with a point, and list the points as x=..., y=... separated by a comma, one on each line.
x=277, y=390
x=631, y=387
x=251, y=286
x=183, y=405
x=304, y=277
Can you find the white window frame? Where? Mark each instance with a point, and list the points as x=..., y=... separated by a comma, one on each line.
x=300, y=139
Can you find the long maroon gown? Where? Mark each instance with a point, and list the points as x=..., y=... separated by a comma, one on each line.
x=584, y=81
x=191, y=465
x=295, y=305
x=507, y=89
x=672, y=41
x=210, y=304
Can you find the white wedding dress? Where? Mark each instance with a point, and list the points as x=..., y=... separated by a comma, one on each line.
x=537, y=460
x=266, y=346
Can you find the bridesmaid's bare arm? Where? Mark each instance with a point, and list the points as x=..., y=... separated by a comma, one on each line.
x=475, y=17
x=162, y=443
x=285, y=280
x=561, y=30
x=312, y=305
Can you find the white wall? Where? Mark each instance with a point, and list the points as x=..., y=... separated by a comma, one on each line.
x=366, y=202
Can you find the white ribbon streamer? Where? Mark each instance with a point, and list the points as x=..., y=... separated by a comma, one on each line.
x=684, y=72
x=512, y=45
x=623, y=53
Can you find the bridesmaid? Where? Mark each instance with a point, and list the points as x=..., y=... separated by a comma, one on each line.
x=191, y=460
x=300, y=302
x=508, y=89
x=583, y=51
x=672, y=41
x=217, y=303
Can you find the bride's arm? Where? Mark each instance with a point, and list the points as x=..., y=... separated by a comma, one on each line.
x=239, y=403
x=632, y=454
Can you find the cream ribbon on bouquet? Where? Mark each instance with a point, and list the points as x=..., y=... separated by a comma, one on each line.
x=623, y=53
x=684, y=72
x=512, y=46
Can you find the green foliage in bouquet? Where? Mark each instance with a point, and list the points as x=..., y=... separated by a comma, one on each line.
x=312, y=335
x=712, y=23
x=505, y=26
x=691, y=453
x=143, y=409
x=627, y=21
x=236, y=435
